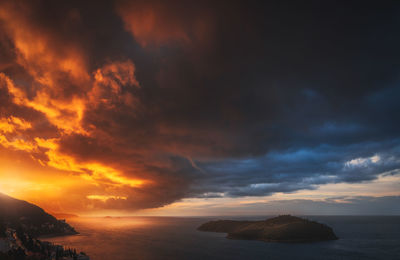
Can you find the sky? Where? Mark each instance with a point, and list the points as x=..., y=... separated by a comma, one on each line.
x=201, y=107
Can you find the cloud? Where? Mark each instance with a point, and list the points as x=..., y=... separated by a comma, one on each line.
x=299, y=169
x=157, y=23
x=141, y=104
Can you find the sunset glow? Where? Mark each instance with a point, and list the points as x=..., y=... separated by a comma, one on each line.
x=172, y=109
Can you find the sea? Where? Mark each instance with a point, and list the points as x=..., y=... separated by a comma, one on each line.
x=127, y=238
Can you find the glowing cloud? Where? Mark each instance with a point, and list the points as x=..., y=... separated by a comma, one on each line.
x=139, y=104
x=104, y=198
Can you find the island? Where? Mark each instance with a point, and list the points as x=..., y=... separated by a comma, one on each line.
x=21, y=223
x=284, y=228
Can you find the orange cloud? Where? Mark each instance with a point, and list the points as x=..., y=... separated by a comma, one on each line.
x=11, y=124
x=156, y=23
x=61, y=89
x=104, y=198
x=66, y=115
x=151, y=24
x=38, y=51
x=84, y=121
x=109, y=82
x=93, y=172
x=51, y=63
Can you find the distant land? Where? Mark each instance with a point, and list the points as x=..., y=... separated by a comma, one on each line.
x=21, y=223
x=285, y=228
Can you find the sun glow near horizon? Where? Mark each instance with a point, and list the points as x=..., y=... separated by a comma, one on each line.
x=134, y=107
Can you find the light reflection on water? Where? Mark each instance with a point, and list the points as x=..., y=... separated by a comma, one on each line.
x=129, y=238
x=114, y=223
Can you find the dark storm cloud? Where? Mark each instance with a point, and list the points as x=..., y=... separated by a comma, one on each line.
x=303, y=168
x=231, y=98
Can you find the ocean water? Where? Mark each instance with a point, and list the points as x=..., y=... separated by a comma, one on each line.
x=360, y=237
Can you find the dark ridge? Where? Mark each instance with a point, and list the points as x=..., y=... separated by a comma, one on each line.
x=20, y=225
x=30, y=218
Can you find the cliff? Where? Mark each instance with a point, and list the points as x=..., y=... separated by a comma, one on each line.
x=284, y=228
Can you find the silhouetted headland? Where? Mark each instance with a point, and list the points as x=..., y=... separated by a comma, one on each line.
x=31, y=218
x=283, y=228
x=21, y=223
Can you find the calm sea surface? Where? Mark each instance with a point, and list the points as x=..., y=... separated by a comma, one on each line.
x=177, y=238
